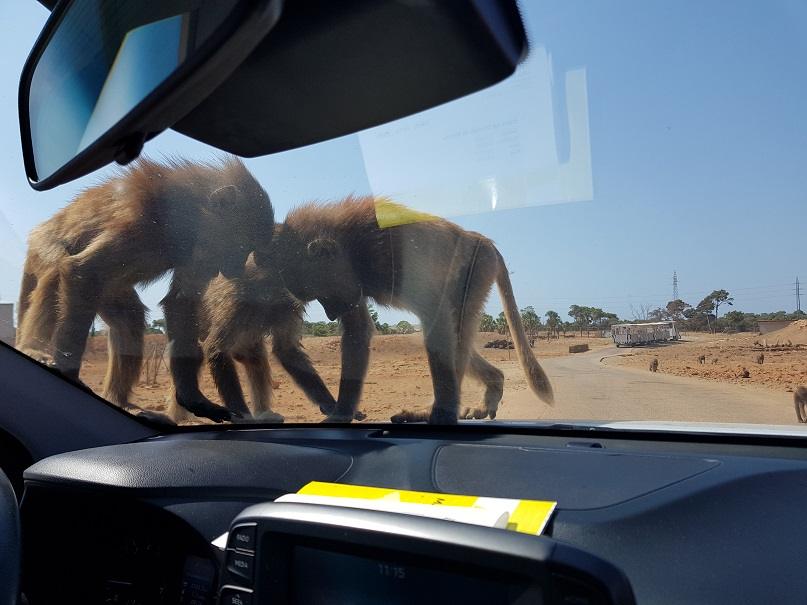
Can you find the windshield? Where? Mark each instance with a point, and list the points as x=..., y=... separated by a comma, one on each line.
x=612, y=234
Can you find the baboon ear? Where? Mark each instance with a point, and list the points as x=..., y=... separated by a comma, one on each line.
x=323, y=248
x=223, y=199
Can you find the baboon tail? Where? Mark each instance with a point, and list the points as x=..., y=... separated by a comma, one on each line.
x=536, y=377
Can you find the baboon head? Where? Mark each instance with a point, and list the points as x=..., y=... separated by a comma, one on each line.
x=316, y=266
x=237, y=219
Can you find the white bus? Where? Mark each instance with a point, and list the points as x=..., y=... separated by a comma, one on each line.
x=631, y=335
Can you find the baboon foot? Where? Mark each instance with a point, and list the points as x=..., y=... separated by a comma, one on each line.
x=204, y=408
x=478, y=413
x=38, y=355
x=441, y=415
x=328, y=411
x=270, y=417
x=339, y=418
x=155, y=417
x=409, y=416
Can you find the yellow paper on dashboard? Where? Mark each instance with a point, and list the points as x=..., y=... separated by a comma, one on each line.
x=524, y=516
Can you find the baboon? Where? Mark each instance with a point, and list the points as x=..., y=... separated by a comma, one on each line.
x=237, y=314
x=761, y=358
x=715, y=361
x=194, y=219
x=654, y=365
x=745, y=373
x=800, y=399
x=702, y=359
x=339, y=255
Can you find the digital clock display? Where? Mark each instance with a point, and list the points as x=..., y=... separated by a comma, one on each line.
x=328, y=577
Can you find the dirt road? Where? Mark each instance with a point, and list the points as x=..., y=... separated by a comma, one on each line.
x=587, y=388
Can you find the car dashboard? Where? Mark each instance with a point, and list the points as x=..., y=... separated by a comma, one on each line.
x=709, y=521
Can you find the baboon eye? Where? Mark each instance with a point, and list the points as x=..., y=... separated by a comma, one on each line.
x=323, y=248
x=223, y=199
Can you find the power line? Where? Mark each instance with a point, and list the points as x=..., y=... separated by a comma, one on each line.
x=798, y=296
x=675, y=285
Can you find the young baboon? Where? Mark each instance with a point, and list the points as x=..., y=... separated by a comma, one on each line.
x=654, y=365
x=339, y=255
x=702, y=359
x=237, y=314
x=761, y=358
x=800, y=399
x=193, y=219
x=744, y=373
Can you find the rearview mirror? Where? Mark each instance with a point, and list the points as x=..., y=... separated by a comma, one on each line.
x=106, y=75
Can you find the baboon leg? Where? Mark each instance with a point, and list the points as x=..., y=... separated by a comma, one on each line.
x=38, y=320
x=181, y=308
x=286, y=346
x=493, y=379
x=79, y=293
x=222, y=368
x=125, y=315
x=357, y=331
x=441, y=348
x=259, y=376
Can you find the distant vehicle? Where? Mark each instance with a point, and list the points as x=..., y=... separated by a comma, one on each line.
x=632, y=335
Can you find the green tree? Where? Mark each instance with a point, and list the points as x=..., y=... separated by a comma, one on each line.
x=404, y=327
x=501, y=324
x=710, y=306
x=531, y=321
x=675, y=309
x=487, y=323
x=581, y=316
x=553, y=321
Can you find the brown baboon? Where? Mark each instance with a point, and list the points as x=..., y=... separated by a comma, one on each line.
x=237, y=314
x=339, y=255
x=800, y=399
x=702, y=359
x=654, y=365
x=193, y=219
x=745, y=373
x=761, y=358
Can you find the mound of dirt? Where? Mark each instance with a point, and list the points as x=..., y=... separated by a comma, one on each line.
x=796, y=333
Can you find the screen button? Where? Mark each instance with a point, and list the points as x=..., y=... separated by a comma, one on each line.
x=243, y=538
x=240, y=565
x=231, y=596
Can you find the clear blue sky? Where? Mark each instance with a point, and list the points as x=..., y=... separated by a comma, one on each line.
x=696, y=139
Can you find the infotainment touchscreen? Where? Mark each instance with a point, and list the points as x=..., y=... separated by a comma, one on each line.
x=326, y=577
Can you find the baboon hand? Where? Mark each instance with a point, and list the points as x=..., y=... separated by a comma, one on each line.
x=408, y=416
x=155, y=417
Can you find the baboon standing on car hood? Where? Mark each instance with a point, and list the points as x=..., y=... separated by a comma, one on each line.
x=193, y=219
x=339, y=255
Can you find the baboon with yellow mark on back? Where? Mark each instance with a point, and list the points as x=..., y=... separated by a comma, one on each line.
x=194, y=219
x=339, y=255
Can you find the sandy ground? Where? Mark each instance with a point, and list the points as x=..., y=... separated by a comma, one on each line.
x=726, y=357
x=606, y=383
x=398, y=377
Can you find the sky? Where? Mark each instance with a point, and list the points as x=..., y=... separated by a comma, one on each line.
x=642, y=137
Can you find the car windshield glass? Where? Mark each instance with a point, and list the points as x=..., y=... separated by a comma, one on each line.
x=613, y=234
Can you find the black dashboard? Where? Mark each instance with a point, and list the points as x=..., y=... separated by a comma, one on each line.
x=686, y=521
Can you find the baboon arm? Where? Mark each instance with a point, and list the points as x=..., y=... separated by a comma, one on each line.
x=357, y=331
x=286, y=346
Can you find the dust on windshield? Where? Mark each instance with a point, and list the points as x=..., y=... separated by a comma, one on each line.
x=611, y=234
